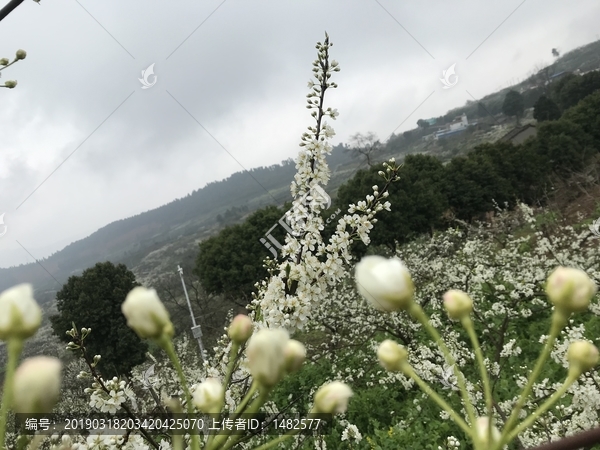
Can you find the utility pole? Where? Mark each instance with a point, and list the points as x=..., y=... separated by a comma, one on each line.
x=196, y=331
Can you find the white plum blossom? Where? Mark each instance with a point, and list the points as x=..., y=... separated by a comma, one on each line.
x=351, y=433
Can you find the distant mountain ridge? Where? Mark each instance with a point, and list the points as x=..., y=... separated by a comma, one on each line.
x=128, y=240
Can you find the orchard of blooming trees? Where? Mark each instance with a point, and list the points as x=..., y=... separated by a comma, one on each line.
x=480, y=337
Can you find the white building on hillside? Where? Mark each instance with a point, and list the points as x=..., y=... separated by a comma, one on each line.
x=458, y=125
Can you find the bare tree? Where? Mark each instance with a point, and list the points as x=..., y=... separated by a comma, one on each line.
x=543, y=72
x=364, y=145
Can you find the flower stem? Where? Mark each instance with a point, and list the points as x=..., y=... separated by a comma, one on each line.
x=417, y=312
x=230, y=366
x=280, y=439
x=489, y=401
x=242, y=406
x=232, y=358
x=14, y=351
x=220, y=442
x=408, y=370
x=543, y=408
x=240, y=409
x=166, y=344
x=558, y=323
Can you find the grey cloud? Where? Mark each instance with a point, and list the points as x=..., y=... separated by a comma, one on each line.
x=243, y=76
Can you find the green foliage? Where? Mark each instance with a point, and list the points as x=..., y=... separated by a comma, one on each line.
x=545, y=109
x=422, y=123
x=520, y=165
x=231, y=262
x=564, y=145
x=426, y=432
x=513, y=105
x=232, y=214
x=93, y=300
x=417, y=200
x=587, y=115
x=473, y=183
x=571, y=89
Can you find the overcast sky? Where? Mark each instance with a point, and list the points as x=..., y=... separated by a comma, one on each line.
x=229, y=93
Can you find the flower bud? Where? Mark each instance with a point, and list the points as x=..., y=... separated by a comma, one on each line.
x=37, y=385
x=20, y=315
x=385, y=283
x=332, y=398
x=208, y=396
x=458, y=304
x=295, y=354
x=146, y=314
x=266, y=355
x=3, y=62
x=240, y=329
x=391, y=355
x=10, y=84
x=482, y=431
x=21, y=54
x=582, y=356
x=570, y=290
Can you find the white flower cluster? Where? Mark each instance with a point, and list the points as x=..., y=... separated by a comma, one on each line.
x=351, y=433
x=451, y=444
x=503, y=267
x=108, y=396
x=312, y=266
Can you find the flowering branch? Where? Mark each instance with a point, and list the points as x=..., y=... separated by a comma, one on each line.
x=20, y=55
x=78, y=343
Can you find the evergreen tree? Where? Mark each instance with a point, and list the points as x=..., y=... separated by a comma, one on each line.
x=93, y=300
x=232, y=261
x=545, y=109
x=513, y=105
